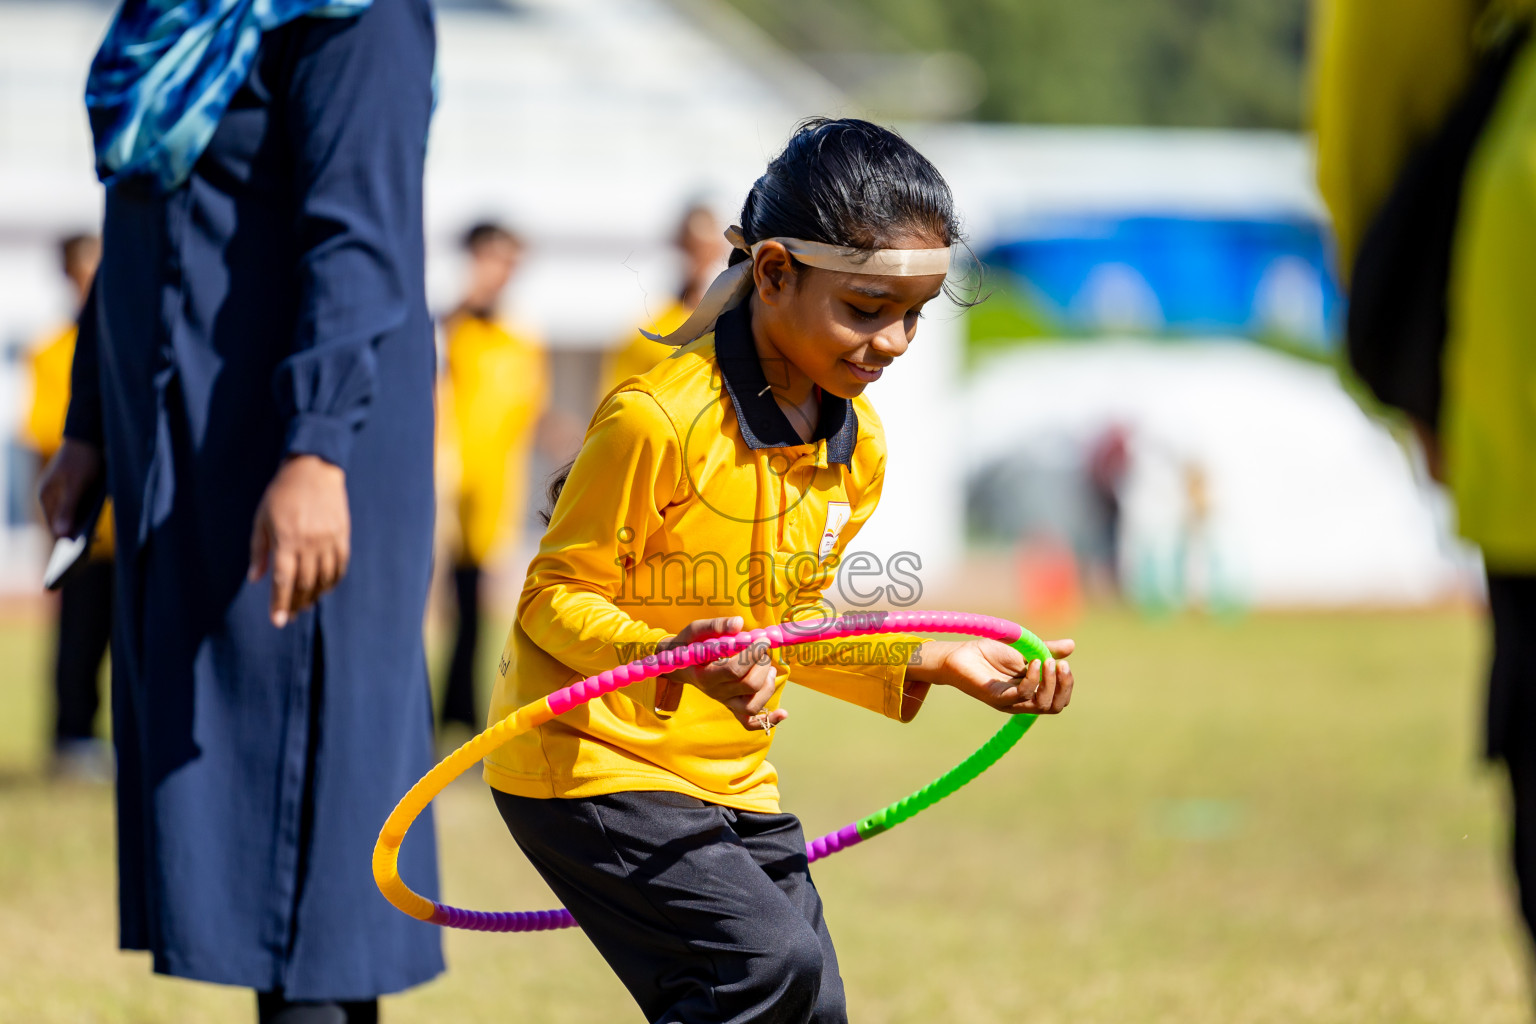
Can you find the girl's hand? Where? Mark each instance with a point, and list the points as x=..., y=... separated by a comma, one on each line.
x=995, y=674
x=744, y=682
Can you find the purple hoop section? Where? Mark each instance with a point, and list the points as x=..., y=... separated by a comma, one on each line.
x=502, y=921
x=550, y=920
x=833, y=842
x=702, y=652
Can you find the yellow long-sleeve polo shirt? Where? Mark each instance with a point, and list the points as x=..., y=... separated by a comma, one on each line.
x=692, y=497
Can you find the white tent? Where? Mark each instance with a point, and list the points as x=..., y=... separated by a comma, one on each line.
x=1311, y=503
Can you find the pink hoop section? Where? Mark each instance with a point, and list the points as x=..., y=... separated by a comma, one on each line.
x=386, y=851
x=844, y=626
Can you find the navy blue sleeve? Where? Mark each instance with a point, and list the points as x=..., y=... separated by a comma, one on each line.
x=83, y=421
x=358, y=102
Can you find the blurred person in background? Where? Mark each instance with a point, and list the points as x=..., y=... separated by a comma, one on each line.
x=84, y=625
x=1108, y=462
x=493, y=391
x=1196, y=570
x=254, y=377
x=1426, y=122
x=701, y=242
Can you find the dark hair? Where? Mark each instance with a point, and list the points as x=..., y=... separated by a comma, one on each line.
x=486, y=232
x=849, y=182
x=552, y=491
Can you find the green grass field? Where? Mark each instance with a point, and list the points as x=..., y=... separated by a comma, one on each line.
x=1278, y=819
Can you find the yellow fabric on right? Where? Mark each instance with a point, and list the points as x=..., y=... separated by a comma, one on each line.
x=691, y=498
x=1388, y=73
x=1488, y=422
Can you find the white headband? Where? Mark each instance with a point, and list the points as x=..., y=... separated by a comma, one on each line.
x=735, y=283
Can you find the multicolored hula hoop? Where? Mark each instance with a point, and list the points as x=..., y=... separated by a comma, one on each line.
x=386, y=853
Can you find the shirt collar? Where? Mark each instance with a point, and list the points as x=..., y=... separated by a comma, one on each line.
x=763, y=424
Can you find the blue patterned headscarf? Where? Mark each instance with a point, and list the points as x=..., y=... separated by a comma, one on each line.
x=165, y=75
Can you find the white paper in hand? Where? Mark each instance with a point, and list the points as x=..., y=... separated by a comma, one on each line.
x=66, y=552
x=70, y=551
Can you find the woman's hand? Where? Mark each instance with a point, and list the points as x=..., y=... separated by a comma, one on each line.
x=69, y=476
x=744, y=682
x=995, y=674
x=303, y=532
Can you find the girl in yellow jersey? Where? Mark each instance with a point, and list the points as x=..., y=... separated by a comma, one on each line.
x=716, y=492
x=491, y=396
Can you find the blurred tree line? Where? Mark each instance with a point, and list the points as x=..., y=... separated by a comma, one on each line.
x=1207, y=63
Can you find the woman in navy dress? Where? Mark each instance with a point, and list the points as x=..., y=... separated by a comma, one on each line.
x=254, y=377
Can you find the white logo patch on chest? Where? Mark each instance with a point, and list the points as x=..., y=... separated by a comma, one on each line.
x=838, y=514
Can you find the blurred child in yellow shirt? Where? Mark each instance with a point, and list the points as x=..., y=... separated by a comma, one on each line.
x=84, y=626
x=704, y=250
x=492, y=393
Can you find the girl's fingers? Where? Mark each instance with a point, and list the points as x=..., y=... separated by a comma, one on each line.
x=765, y=720
x=745, y=692
x=1047, y=689
x=1037, y=704
x=705, y=629
x=763, y=682
x=1004, y=657
x=721, y=674
x=757, y=656
x=1030, y=684
x=1063, y=687
x=669, y=694
x=736, y=667
x=754, y=692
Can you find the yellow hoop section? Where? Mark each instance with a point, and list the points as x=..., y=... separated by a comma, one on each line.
x=386, y=852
